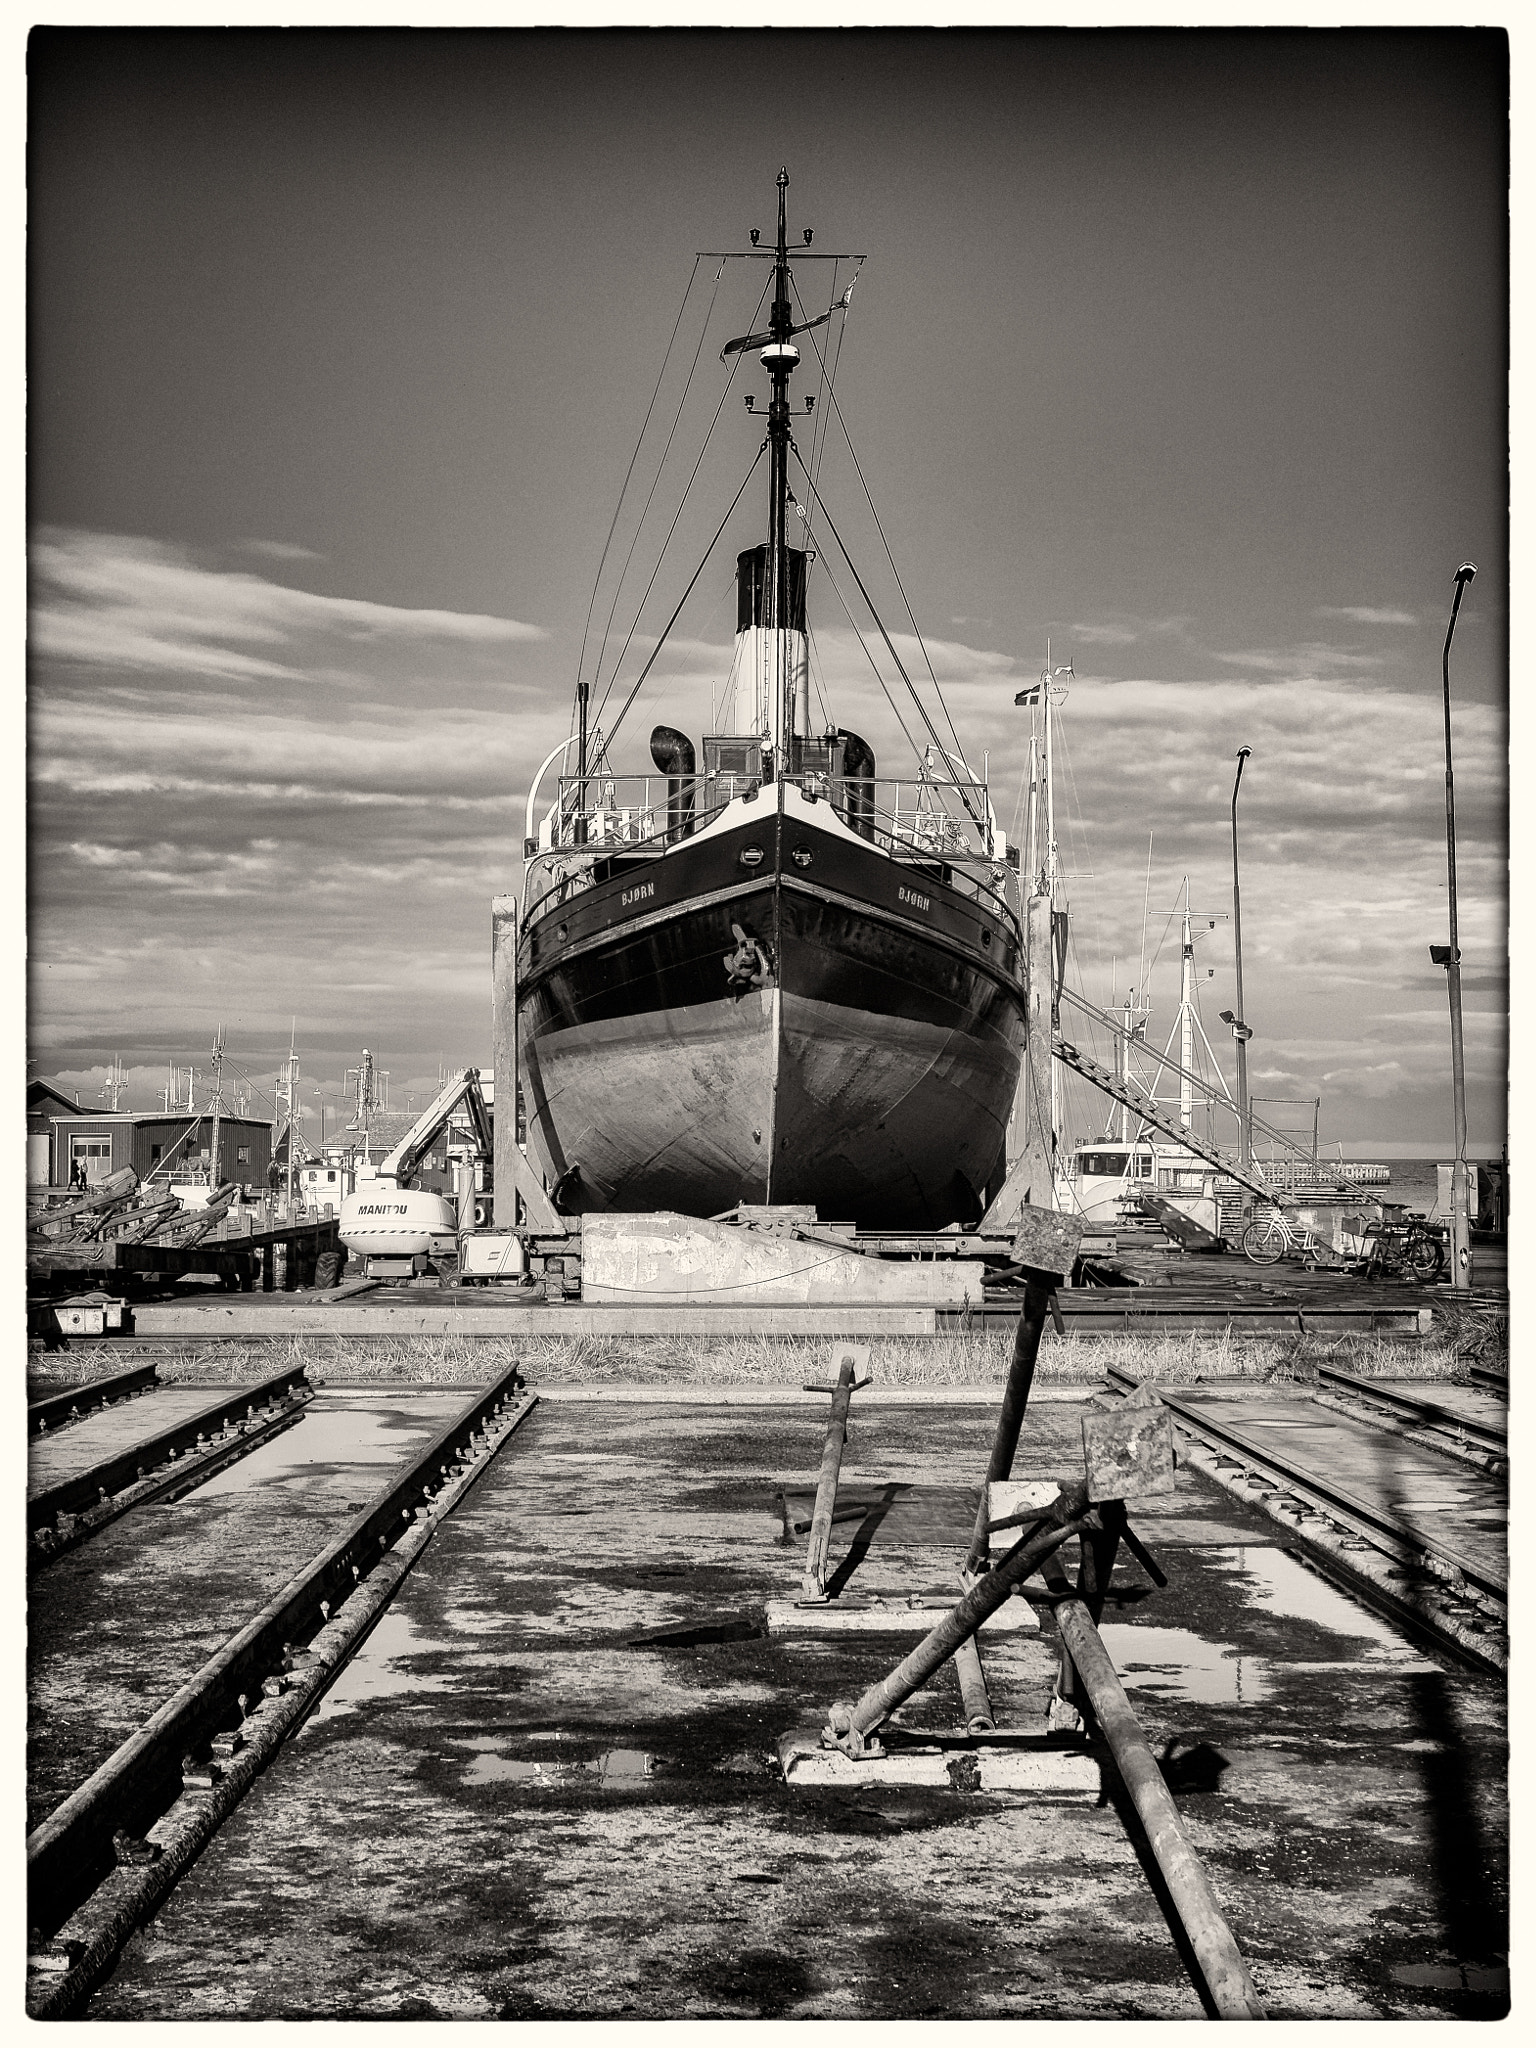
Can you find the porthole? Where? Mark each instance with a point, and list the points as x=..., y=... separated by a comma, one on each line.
x=801, y=856
x=986, y=936
x=751, y=856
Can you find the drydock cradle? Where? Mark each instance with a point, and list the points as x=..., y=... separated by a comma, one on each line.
x=1127, y=1456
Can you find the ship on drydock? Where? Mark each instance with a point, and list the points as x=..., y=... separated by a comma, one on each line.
x=770, y=975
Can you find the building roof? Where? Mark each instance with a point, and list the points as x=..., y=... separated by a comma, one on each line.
x=178, y=1118
x=43, y=1095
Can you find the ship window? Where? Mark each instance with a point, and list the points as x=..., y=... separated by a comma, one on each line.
x=242, y=1155
x=1102, y=1165
x=733, y=757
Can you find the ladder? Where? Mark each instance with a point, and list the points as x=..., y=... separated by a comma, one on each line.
x=1152, y=1113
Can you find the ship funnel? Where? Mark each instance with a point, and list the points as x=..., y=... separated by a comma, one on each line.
x=751, y=591
x=672, y=751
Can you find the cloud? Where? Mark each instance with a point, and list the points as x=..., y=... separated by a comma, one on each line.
x=325, y=840
x=115, y=603
x=1125, y=631
x=1108, y=636
x=1367, y=615
x=280, y=551
x=1304, y=663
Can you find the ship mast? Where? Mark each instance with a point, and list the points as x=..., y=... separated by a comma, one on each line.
x=779, y=359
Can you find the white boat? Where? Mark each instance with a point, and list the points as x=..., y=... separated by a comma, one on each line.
x=1104, y=1184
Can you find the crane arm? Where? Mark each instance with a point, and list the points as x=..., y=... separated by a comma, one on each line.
x=401, y=1164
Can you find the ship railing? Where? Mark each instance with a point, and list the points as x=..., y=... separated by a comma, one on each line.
x=946, y=828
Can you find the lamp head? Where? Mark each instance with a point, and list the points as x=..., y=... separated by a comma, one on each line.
x=1466, y=572
x=1243, y=753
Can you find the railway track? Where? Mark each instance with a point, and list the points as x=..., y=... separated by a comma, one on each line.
x=106, y=1857
x=579, y=1675
x=1424, y=1561
x=1432, y=1420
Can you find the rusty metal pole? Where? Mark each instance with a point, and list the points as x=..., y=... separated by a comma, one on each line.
x=1096, y=1562
x=1221, y=1962
x=974, y=1697
x=1461, y=1235
x=850, y=1727
x=1038, y=1289
x=814, y=1583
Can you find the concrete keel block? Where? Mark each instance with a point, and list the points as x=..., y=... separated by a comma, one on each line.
x=890, y=1617
x=1049, y=1773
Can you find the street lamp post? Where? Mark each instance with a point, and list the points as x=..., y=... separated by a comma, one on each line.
x=1240, y=1029
x=1450, y=958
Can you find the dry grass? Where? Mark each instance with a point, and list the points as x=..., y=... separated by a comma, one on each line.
x=963, y=1358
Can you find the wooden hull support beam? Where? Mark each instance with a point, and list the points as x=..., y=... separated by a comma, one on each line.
x=851, y=1358
x=1045, y=1245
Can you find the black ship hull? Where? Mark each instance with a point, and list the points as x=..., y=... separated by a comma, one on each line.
x=772, y=1013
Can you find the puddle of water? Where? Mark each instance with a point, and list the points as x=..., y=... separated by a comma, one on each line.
x=377, y=1671
x=1450, y=1977
x=1283, y=1585
x=613, y=1766
x=1269, y=1423
x=339, y=1434
x=1176, y=1664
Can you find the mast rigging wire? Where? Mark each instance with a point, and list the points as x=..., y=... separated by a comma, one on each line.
x=640, y=523
x=874, y=665
x=922, y=709
x=692, y=580
x=624, y=487
x=922, y=645
x=677, y=515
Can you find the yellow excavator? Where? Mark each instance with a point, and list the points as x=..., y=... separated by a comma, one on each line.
x=401, y=1229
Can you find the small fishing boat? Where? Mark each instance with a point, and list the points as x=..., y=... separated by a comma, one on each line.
x=762, y=973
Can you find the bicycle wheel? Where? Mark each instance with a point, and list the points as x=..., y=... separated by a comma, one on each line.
x=1426, y=1255
x=1265, y=1242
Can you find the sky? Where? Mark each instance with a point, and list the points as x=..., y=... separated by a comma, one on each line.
x=1184, y=354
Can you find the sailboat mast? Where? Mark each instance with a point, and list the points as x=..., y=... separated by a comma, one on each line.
x=1052, y=876
x=1187, y=1020
x=1051, y=871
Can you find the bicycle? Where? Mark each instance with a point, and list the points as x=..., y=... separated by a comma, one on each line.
x=1269, y=1239
x=1416, y=1246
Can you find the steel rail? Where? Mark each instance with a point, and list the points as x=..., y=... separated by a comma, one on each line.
x=1379, y=1526
x=53, y=1411
x=73, y=1848
x=1426, y=1414
x=1486, y=1376
x=84, y=1490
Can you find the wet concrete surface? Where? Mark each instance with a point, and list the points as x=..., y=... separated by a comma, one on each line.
x=115, y=1626
x=469, y=1826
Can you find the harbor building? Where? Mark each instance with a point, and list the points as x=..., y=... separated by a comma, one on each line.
x=157, y=1143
